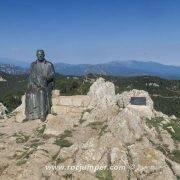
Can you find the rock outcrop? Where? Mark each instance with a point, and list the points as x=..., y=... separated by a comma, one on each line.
x=18, y=114
x=125, y=97
x=3, y=111
x=98, y=136
x=102, y=94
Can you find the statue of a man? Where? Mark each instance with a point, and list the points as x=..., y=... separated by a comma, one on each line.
x=40, y=85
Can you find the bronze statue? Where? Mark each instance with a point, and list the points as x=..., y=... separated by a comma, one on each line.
x=40, y=85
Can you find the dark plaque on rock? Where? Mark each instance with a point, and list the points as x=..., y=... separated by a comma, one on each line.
x=138, y=101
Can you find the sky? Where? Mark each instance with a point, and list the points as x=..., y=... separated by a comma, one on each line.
x=91, y=31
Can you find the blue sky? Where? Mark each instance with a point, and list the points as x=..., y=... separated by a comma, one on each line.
x=91, y=31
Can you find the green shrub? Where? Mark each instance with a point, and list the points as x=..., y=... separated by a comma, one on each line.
x=175, y=155
x=105, y=174
x=62, y=141
x=20, y=137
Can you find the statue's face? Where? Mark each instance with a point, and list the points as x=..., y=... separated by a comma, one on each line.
x=40, y=55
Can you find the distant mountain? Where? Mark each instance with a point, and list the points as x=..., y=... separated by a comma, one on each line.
x=121, y=68
x=14, y=62
x=115, y=68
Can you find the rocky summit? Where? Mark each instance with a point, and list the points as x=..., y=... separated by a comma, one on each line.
x=95, y=136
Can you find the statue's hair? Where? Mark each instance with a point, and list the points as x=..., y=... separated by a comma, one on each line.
x=40, y=50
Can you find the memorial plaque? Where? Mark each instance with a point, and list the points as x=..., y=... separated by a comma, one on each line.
x=138, y=101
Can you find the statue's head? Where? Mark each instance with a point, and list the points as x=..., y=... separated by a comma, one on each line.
x=40, y=55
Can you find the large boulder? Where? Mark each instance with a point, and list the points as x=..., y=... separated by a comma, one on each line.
x=125, y=97
x=127, y=126
x=102, y=93
x=18, y=114
x=141, y=111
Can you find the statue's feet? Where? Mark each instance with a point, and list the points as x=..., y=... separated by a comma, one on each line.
x=54, y=114
x=43, y=119
x=25, y=120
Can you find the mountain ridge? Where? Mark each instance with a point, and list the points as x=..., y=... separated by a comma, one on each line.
x=115, y=68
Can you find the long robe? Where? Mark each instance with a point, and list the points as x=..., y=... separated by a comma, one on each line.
x=40, y=86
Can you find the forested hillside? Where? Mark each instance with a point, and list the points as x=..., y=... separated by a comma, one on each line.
x=165, y=93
